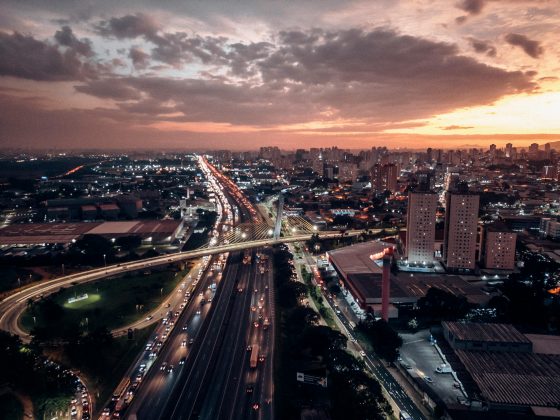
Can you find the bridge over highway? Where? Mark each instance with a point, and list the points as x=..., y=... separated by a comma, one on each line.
x=13, y=306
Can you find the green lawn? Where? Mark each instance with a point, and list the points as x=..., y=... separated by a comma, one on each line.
x=112, y=302
x=10, y=408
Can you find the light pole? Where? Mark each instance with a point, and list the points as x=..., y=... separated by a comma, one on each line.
x=105, y=260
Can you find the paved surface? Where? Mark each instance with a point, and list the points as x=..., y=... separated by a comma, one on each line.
x=423, y=358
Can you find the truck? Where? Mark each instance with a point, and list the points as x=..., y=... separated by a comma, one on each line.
x=266, y=323
x=254, y=356
x=444, y=368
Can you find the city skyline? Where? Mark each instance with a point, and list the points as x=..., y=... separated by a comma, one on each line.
x=211, y=75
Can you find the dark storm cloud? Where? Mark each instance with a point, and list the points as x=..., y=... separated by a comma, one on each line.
x=66, y=38
x=28, y=58
x=129, y=26
x=531, y=47
x=483, y=47
x=107, y=88
x=376, y=76
x=472, y=7
x=140, y=59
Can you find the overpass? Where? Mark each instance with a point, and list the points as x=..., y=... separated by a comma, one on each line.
x=13, y=306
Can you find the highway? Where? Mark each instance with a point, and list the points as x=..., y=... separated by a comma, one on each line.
x=221, y=383
x=13, y=306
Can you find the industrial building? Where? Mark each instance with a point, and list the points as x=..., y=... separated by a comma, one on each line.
x=150, y=231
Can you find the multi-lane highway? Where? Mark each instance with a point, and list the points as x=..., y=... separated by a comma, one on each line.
x=222, y=383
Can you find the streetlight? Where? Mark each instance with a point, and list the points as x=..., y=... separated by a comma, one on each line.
x=105, y=260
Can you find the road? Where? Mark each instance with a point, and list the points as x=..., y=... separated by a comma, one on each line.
x=221, y=384
x=13, y=306
x=343, y=313
x=158, y=383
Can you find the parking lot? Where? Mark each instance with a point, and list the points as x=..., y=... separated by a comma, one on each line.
x=421, y=359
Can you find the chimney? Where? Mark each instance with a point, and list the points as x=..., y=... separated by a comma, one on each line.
x=386, y=283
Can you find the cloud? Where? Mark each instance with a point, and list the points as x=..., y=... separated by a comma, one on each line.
x=531, y=47
x=456, y=127
x=140, y=60
x=483, y=47
x=472, y=7
x=129, y=26
x=316, y=75
x=25, y=57
x=107, y=88
x=66, y=38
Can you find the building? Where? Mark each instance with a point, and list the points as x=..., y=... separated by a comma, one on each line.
x=421, y=226
x=550, y=228
x=460, y=232
x=485, y=337
x=499, y=248
x=149, y=231
x=510, y=374
x=384, y=177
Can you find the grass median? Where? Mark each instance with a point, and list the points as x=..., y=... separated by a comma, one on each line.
x=111, y=302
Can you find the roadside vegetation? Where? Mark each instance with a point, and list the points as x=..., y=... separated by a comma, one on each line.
x=77, y=334
x=307, y=347
x=24, y=369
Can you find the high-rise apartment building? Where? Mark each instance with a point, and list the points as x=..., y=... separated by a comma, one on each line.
x=460, y=234
x=421, y=226
x=384, y=177
x=499, y=250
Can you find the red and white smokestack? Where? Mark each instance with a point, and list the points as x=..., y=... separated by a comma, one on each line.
x=386, y=283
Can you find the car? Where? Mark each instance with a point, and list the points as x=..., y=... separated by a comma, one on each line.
x=256, y=324
x=249, y=348
x=169, y=368
x=249, y=389
x=240, y=290
x=428, y=379
x=164, y=336
x=256, y=406
x=106, y=412
x=185, y=327
x=163, y=366
x=256, y=290
x=253, y=308
x=456, y=385
x=184, y=343
x=191, y=341
x=198, y=311
x=142, y=367
x=362, y=353
x=149, y=318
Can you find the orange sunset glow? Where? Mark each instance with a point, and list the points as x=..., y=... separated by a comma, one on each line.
x=243, y=74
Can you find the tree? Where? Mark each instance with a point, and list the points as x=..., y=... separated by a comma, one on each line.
x=383, y=338
x=129, y=242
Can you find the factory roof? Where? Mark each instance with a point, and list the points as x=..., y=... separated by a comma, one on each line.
x=471, y=331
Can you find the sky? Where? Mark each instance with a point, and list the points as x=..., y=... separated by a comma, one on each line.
x=240, y=74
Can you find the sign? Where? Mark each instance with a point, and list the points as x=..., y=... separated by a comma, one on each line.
x=311, y=380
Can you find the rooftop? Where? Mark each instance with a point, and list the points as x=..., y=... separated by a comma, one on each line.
x=356, y=259
x=515, y=378
x=485, y=332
